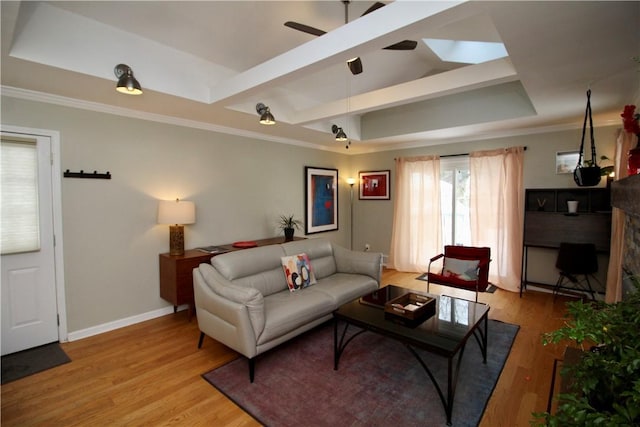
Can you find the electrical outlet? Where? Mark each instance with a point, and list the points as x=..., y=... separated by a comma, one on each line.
x=367, y=247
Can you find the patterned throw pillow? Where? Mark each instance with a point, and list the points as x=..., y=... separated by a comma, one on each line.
x=298, y=271
x=460, y=269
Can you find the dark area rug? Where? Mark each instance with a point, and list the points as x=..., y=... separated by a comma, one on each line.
x=490, y=289
x=378, y=382
x=27, y=362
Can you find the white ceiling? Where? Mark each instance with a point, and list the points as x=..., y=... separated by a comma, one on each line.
x=208, y=63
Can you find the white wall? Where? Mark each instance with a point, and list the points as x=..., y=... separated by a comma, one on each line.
x=111, y=240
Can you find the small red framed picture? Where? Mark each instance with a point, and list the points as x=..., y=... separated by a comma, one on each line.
x=374, y=185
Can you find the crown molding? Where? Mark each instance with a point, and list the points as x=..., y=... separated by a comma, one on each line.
x=32, y=95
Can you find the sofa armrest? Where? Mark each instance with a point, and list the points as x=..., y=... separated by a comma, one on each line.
x=355, y=262
x=227, y=301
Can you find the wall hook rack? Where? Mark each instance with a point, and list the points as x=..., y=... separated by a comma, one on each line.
x=83, y=174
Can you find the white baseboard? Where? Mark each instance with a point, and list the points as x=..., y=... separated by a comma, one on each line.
x=121, y=323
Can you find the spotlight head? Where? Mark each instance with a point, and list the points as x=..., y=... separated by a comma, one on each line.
x=339, y=133
x=127, y=84
x=355, y=65
x=266, y=118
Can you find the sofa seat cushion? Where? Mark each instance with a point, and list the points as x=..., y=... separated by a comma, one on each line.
x=455, y=282
x=285, y=311
x=345, y=287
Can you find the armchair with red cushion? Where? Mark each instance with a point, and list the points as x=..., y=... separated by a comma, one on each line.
x=464, y=267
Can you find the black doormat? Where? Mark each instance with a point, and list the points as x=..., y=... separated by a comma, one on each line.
x=27, y=362
x=490, y=289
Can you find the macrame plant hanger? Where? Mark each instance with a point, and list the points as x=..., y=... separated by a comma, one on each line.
x=587, y=176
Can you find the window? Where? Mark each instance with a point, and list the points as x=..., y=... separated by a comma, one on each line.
x=484, y=187
x=454, y=200
x=20, y=222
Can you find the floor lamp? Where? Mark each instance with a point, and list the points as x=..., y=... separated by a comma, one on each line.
x=351, y=181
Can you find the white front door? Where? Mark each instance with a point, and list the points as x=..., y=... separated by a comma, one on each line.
x=29, y=295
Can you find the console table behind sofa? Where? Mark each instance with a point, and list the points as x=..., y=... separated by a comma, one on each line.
x=176, y=271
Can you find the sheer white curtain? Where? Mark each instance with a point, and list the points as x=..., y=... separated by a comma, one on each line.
x=416, y=235
x=497, y=211
x=614, y=273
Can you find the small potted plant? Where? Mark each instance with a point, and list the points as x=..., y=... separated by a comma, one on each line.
x=289, y=224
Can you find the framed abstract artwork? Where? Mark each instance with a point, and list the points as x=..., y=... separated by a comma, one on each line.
x=374, y=185
x=321, y=195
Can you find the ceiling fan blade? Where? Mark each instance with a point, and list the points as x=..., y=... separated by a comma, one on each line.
x=375, y=6
x=304, y=28
x=403, y=45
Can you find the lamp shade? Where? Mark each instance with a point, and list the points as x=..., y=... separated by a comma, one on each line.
x=129, y=85
x=176, y=212
x=266, y=118
x=339, y=133
x=126, y=82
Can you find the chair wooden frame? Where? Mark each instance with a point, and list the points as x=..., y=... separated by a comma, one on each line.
x=469, y=253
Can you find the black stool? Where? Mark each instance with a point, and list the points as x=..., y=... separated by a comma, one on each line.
x=576, y=262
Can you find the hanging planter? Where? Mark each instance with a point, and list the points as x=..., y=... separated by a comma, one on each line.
x=587, y=173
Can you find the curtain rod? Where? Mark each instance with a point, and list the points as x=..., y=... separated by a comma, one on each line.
x=457, y=155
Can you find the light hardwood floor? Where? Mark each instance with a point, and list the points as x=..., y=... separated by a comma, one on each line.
x=150, y=373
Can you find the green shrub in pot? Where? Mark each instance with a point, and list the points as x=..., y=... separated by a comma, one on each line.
x=604, y=385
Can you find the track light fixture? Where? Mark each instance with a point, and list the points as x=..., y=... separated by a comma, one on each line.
x=126, y=82
x=339, y=133
x=266, y=118
x=355, y=65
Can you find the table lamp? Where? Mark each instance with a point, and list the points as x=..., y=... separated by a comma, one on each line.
x=177, y=213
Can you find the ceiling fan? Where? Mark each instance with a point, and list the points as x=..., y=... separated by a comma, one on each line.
x=354, y=64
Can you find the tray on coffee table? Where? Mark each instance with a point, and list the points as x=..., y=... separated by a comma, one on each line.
x=410, y=309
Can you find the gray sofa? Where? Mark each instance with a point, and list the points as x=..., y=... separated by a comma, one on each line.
x=242, y=299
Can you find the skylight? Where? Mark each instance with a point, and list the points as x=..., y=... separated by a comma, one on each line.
x=466, y=52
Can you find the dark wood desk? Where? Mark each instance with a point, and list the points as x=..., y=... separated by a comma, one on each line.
x=549, y=225
x=176, y=271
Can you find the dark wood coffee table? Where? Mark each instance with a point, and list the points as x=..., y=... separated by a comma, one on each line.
x=445, y=333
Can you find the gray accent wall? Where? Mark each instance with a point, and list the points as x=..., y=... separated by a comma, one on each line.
x=373, y=219
x=239, y=185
